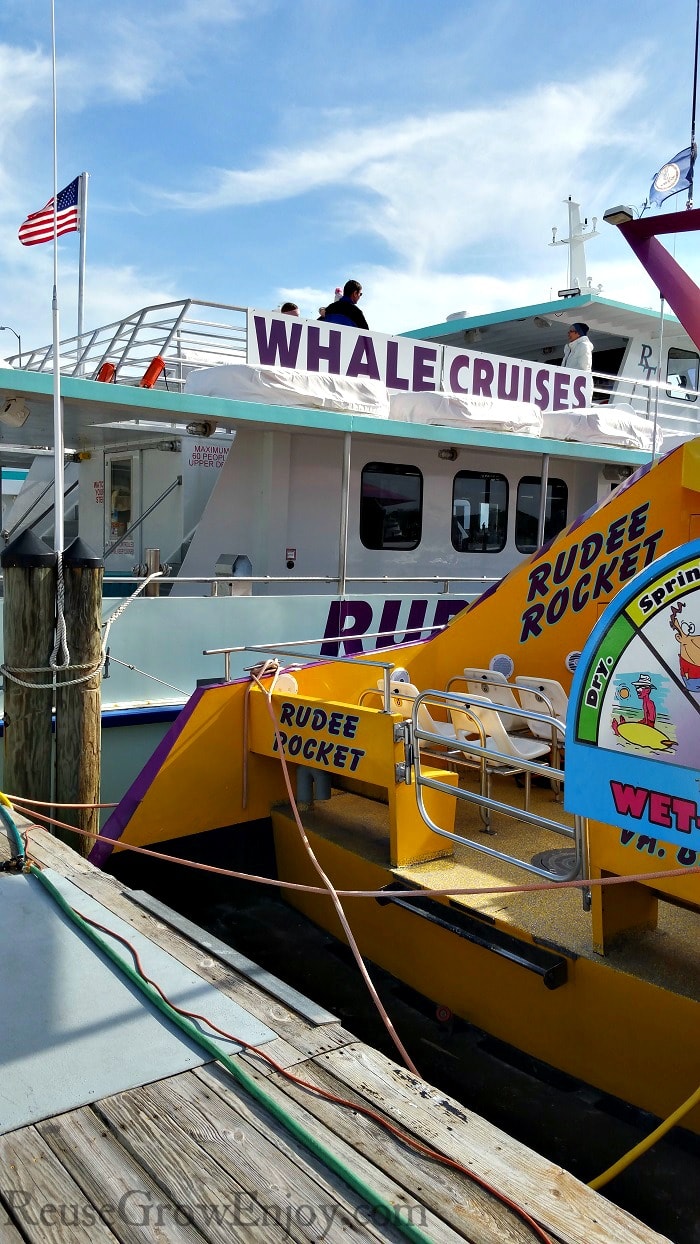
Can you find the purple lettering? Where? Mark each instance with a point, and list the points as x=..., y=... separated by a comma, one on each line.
x=508, y=393
x=309, y=749
x=558, y=605
x=616, y=535
x=447, y=609
x=324, y=750
x=650, y=545
x=315, y=352
x=591, y=548
x=335, y=721
x=350, y=726
x=538, y=580
x=560, y=398
x=579, y=387
x=278, y=350
x=603, y=581
x=388, y=623
x=416, y=621
x=357, y=755
x=638, y=521
x=346, y=618
x=628, y=562
x=287, y=715
x=393, y=379
x=564, y=564
x=319, y=719
x=424, y=361
x=461, y=363
x=531, y=622
x=483, y=378
x=303, y=714
x=580, y=597
x=542, y=389
x=364, y=360
x=527, y=383
x=341, y=752
x=294, y=745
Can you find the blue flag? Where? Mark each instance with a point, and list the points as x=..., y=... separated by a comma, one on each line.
x=675, y=176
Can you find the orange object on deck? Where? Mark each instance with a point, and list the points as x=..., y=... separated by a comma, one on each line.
x=107, y=373
x=153, y=371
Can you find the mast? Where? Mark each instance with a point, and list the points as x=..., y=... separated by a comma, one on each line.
x=576, y=275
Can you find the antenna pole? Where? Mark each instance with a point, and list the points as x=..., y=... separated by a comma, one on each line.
x=57, y=421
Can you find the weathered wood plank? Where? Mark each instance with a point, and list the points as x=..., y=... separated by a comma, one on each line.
x=278, y=1173
x=551, y=1195
x=212, y=1198
x=473, y=1212
x=444, y=1205
x=45, y=1201
x=109, y=1177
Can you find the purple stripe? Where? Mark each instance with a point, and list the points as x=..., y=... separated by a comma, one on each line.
x=116, y=824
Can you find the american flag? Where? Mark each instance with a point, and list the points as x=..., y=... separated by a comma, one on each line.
x=38, y=227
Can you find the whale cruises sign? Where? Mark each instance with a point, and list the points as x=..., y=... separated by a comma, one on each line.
x=404, y=363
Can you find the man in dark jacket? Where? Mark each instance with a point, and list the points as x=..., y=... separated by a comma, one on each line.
x=346, y=310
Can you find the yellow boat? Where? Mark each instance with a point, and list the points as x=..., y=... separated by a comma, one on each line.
x=408, y=793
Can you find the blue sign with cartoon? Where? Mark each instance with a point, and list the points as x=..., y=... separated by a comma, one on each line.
x=633, y=728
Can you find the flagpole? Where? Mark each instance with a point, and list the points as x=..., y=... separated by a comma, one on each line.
x=57, y=421
x=82, y=207
x=693, y=148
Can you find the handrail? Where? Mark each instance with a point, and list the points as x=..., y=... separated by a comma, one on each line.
x=21, y=522
x=138, y=521
x=443, y=699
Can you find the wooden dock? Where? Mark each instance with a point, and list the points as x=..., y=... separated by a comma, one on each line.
x=194, y=1157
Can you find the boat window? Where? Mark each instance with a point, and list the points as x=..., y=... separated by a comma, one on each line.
x=682, y=374
x=479, y=512
x=527, y=514
x=120, y=494
x=391, y=506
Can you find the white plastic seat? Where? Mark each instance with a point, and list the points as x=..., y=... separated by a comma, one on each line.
x=510, y=750
x=542, y=695
x=494, y=686
x=402, y=696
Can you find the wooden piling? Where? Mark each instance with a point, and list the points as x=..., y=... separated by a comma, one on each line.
x=29, y=586
x=78, y=705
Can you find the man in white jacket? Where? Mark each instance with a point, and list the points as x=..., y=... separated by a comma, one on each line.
x=578, y=351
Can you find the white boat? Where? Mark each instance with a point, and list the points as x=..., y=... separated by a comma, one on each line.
x=296, y=480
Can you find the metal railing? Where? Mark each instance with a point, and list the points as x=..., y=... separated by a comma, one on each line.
x=479, y=756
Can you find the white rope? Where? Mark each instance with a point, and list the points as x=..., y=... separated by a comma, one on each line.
x=61, y=642
x=92, y=668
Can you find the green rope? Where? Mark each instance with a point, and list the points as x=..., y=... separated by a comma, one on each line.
x=392, y=1214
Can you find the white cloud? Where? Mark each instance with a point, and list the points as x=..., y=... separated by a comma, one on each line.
x=435, y=186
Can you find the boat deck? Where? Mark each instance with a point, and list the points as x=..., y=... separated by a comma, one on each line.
x=193, y=1156
x=665, y=956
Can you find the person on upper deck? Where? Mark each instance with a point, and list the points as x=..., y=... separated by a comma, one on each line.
x=289, y=308
x=578, y=351
x=346, y=310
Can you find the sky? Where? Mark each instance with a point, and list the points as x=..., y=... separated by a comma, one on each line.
x=252, y=151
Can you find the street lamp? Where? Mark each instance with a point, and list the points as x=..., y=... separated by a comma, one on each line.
x=5, y=328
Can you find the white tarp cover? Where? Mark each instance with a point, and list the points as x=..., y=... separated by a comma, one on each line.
x=285, y=386
x=603, y=425
x=454, y=410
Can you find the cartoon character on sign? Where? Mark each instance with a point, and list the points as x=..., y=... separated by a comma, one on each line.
x=642, y=733
x=689, y=655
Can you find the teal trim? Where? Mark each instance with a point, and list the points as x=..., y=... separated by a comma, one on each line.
x=555, y=307
x=131, y=402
